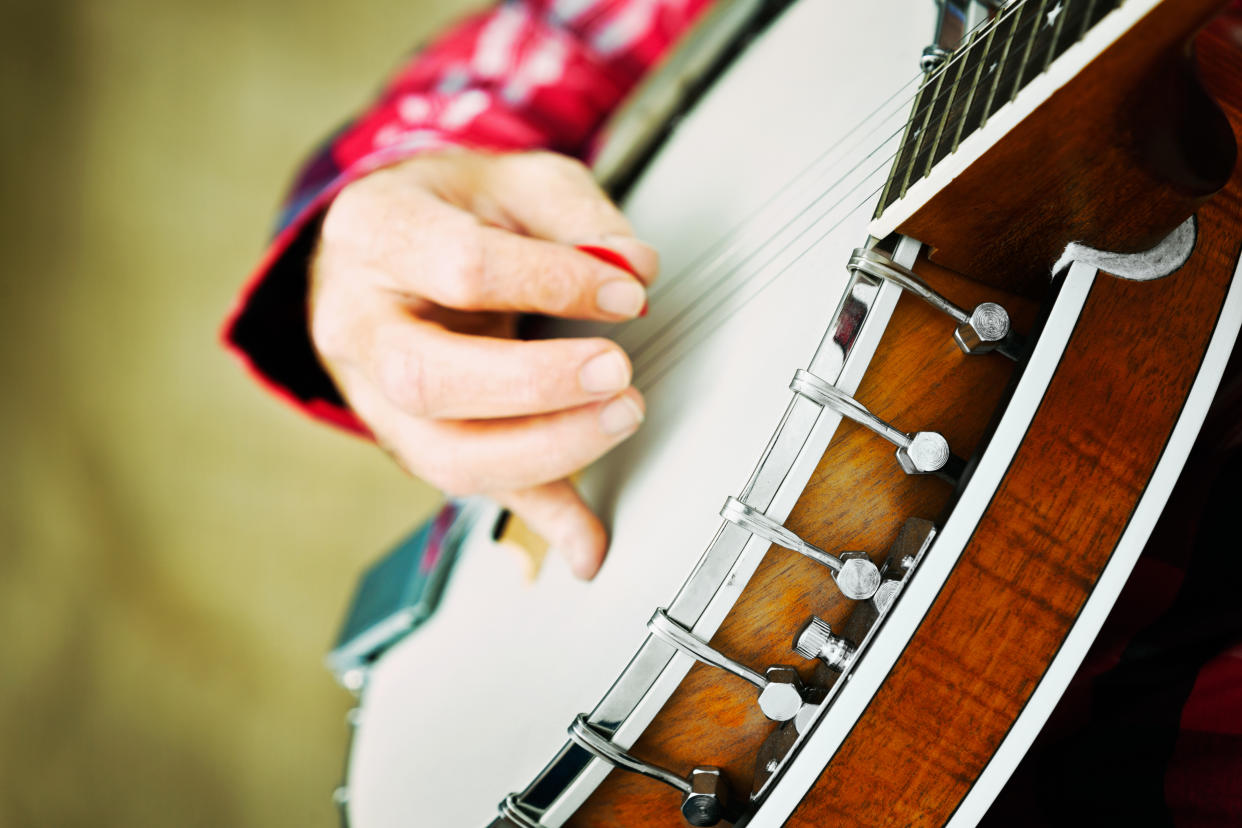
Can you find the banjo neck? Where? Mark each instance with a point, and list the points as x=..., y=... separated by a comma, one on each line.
x=1018, y=145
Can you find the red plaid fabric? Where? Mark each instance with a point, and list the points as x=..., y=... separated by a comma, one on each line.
x=527, y=74
x=1150, y=730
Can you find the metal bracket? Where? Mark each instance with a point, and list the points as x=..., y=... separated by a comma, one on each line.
x=781, y=694
x=704, y=794
x=984, y=329
x=922, y=452
x=854, y=573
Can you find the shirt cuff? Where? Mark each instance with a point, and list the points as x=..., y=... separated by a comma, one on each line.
x=268, y=327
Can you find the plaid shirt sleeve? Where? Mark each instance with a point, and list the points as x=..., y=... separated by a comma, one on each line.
x=526, y=74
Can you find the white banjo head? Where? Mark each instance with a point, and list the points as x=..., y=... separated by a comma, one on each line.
x=477, y=701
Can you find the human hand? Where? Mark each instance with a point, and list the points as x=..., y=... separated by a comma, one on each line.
x=421, y=272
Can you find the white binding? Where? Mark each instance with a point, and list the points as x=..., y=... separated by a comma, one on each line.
x=1039, y=707
x=1038, y=90
x=786, y=497
x=804, y=770
x=849, y=703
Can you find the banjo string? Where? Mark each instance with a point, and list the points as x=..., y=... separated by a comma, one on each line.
x=782, y=197
x=777, y=198
x=717, y=263
x=677, y=327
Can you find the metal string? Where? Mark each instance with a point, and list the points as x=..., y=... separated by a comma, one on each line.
x=706, y=267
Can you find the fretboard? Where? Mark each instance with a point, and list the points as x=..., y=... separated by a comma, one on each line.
x=995, y=62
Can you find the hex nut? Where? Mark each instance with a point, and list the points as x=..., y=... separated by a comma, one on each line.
x=781, y=699
x=708, y=798
x=858, y=578
x=986, y=328
x=928, y=452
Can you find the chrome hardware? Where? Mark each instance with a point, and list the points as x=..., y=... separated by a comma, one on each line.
x=933, y=58
x=708, y=798
x=518, y=812
x=340, y=794
x=781, y=694
x=704, y=793
x=950, y=27
x=772, y=753
x=886, y=594
x=922, y=452
x=915, y=536
x=815, y=640
x=810, y=711
x=855, y=575
x=984, y=329
x=778, y=478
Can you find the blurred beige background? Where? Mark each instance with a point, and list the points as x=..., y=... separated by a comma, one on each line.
x=176, y=548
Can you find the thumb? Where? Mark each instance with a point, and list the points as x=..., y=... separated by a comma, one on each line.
x=557, y=512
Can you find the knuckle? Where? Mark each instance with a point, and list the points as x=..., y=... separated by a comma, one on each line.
x=552, y=287
x=404, y=380
x=330, y=331
x=569, y=166
x=542, y=377
x=328, y=339
x=563, y=520
x=464, y=283
x=547, y=162
x=349, y=211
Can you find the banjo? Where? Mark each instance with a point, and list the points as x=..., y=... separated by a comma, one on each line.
x=941, y=356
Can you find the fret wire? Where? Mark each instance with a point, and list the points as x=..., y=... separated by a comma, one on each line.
x=1086, y=19
x=886, y=196
x=1000, y=64
x=947, y=111
x=1043, y=41
x=939, y=113
x=1056, y=34
x=889, y=195
x=974, y=86
x=905, y=183
x=988, y=74
x=916, y=111
x=1067, y=37
x=1026, y=53
x=905, y=153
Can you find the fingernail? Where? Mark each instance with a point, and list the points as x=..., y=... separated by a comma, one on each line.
x=620, y=415
x=622, y=297
x=605, y=372
x=581, y=559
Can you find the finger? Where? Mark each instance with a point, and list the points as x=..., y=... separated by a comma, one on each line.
x=407, y=238
x=472, y=267
x=428, y=371
x=557, y=512
x=570, y=207
x=519, y=273
x=484, y=456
